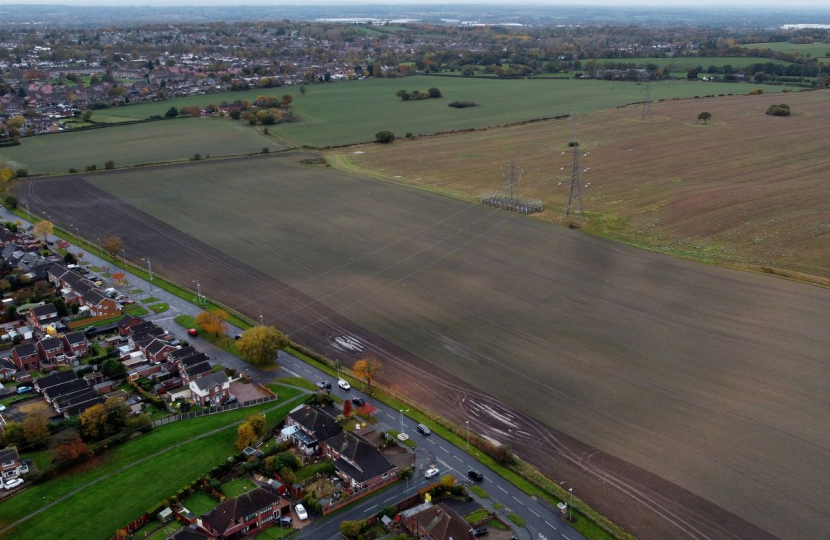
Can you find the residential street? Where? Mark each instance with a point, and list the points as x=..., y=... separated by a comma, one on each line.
x=541, y=523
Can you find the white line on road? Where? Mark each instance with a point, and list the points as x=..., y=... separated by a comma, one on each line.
x=375, y=506
x=444, y=449
x=518, y=501
x=534, y=513
x=458, y=458
x=389, y=415
x=565, y=537
x=307, y=370
x=433, y=442
x=553, y=526
x=501, y=488
x=390, y=498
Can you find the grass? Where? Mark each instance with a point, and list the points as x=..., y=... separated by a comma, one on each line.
x=325, y=121
x=476, y=516
x=275, y=533
x=159, y=307
x=304, y=473
x=498, y=506
x=222, y=341
x=299, y=382
x=409, y=442
x=150, y=300
x=41, y=459
x=199, y=503
x=478, y=490
x=685, y=63
x=152, y=142
x=814, y=49
x=69, y=518
x=237, y=487
x=517, y=519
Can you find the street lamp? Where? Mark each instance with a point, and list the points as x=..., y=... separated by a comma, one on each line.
x=402, y=411
x=199, y=301
x=260, y=318
x=124, y=253
x=100, y=251
x=149, y=271
x=77, y=234
x=468, y=434
x=570, y=501
x=27, y=211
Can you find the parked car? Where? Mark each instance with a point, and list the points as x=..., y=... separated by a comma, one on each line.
x=231, y=400
x=324, y=385
x=302, y=515
x=237, y=336
x=193, y=332
x=480, y=531
x=431, y=473
x=344, y=384
x=11, y=484
x=422, y=429
x=2, y=407
x=24, y=389
x=476, y=475
x=284, y=521
x=359, y=401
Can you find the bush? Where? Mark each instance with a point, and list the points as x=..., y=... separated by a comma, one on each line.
x=90, y=168
x=463, y=104
x=756, y=92
x=434, y=93
x=384, y=137
x=22, y=173
x=109, y=165
x=11, y=202
x=782, y=109
x=71, y=171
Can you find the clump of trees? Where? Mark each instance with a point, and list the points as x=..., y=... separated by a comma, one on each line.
x=250, y=430
x=213, y=321
x=705, y=116
x=463, y=104
x=384, y=137
x=781, y=109
x=418, y=95
x=368, y=369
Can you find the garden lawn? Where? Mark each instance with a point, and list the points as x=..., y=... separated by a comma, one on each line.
x=237, y=487
x=147, y=482
x=199, y=503
x=151, y=142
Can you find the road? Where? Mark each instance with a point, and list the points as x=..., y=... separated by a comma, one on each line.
x=541, y=523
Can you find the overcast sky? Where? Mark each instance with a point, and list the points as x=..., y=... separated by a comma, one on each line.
x=823, y=4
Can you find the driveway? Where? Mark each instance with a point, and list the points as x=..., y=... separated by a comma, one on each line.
x=246, y=392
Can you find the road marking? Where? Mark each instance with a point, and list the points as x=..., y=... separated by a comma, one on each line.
x=375, y=506
x=444, y=449
x=518, y=501
x=307, y=370
x=458, y=458
x=566, y=538
x=389, y=415
x=433, y=442
x=534, y=513
x=553, y=526
x=390, y=498
x=501, y=488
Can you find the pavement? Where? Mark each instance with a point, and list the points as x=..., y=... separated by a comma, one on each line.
x=432, y=450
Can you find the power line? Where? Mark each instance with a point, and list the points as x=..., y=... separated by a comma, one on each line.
x=575, y=193
x=647, y=102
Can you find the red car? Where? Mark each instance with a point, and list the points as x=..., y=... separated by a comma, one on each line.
x=193, y=332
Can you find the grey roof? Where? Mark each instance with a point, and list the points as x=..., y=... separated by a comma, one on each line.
x=46, y=309
x=26, y=349
x=56, y=378
x=75, y=338
x=230, y=511
x=8, y=454
x=197, y=369
x=359, y=459
x=208, y=381
x=51, y=343
x=65, y=389
x=317, y=421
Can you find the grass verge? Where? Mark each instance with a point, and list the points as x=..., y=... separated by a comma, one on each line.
x=299, y=382
x=478, y=490
x=516, y=518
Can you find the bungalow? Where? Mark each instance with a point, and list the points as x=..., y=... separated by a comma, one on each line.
x=64, y=389
x=10, y=466
x=50, y=350
x=250, y=513
x=358, y=462
x=314, y=425
x=436, y=522
x=44, y=383
x=25, y=357
x=76, y=344
x=211, y=389
x=43, y=316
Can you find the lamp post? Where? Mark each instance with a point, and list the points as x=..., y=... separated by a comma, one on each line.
x=29, y=214
x=570, y=501
x=100, y=251
x=198, y=292
x=124, y=253
x=260, y=318
x=77, y=234
x=468, y=434
x=402, y=411
x=150, y=271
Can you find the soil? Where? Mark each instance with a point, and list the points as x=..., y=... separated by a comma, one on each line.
x=644, y=503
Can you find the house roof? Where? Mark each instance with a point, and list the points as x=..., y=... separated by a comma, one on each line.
x=51, y=343
x=184, y=352
x=75, y=338
x=74, y=410
x=231, y=511
x=26, y=349
x=128, y=320
x=64, y=389
x=317, y=421
x=9, y=454
x=192, y=360
x=46, y=309
x=209, y=381
x=197, y=369
x=6, y=364
x=144, y=326
x=359, y=459
x=56, y=378
x=442, y=523
x=156, y=346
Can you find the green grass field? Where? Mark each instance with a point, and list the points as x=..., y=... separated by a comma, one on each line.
x=136, y=144
x=353, y=111
x=813, y=49
x=684, y=63
x=147, y=482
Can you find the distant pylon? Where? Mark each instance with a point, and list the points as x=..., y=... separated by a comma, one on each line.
x=647, y=101
x=670, y=70
x=512, y=177
x=575, y=194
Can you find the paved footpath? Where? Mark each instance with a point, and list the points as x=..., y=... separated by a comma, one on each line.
x=541, y=523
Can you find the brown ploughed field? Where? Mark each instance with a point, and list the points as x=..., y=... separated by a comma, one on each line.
x=685, y=401
x=745, y=190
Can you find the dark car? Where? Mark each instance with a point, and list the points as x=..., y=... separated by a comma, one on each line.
x=324, y=385
x=480, y=531
x=284, y=521
x=237, y=336
x=359, y=401
x=475, y=474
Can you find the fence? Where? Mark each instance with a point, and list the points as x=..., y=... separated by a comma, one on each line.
x=514, y=204
x=212, y=410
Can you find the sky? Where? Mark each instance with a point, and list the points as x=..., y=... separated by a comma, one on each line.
x=823, y=4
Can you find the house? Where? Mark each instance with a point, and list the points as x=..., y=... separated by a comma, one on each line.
x=74, y=287
x=54, y=379
x=191, y=373
x=436, y=522
x=211, y=389
x=10, y=466
x=126, y=322
x=7, y=369
x=251, y=512
x=357, y=461
x=25, y=357
x=68, y=388
x=156, y=351
x=43, y=316
x=314, y=425
x=76, y=344
x=50, y=350
x=191, y=533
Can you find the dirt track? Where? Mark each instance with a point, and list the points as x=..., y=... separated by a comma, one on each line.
x=712, y=379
